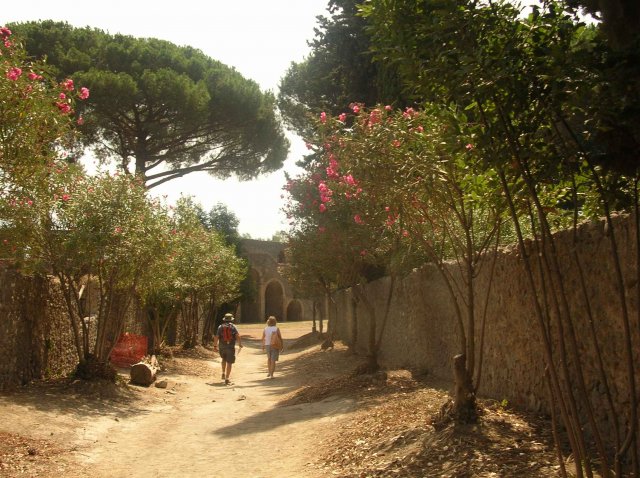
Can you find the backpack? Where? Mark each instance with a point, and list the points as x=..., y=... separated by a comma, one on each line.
x=227, y=333
x=276, y=341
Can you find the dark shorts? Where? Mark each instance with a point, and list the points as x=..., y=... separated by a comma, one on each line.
x=227, y=353
x=272, y=353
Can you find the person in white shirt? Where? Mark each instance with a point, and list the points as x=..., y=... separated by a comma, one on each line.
x=272, y=343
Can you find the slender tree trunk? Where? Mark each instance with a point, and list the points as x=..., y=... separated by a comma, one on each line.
x=385, y=317
x=464, y=402
x=77, y=339
x=372, y=357
x=190, y=310
x=555, y=387
x=594, y=336
x=353, y=345
x=630, y=439
x=123, y=301
x=314, y=329
x=494, y=258
x=209, y=322
x=565, y=316
x=326, y=311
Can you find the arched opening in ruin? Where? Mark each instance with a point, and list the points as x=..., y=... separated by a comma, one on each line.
x=294, y=311
x=274, y=300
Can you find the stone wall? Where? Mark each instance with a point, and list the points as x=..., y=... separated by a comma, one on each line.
x=421, y=332
x=36, y=338
x=35, y=334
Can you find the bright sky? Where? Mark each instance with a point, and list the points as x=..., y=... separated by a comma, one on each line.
x=260, y=38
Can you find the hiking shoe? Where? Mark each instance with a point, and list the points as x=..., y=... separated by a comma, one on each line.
x=227, y=381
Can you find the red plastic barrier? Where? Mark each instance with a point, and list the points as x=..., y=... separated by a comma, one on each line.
x=129, y=349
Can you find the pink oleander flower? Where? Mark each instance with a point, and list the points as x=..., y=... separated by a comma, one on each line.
x=34, y=76
x=405, y=233
x=322, y=207
x=358, y=219
x=469, y=147
x=323, y=117
x=342, y=117
x=356, y=109
x=420, y=129
x=67, y=84
x=117, y=230
x=62, y=96
x=374, y=117
x=64, y=107
x=332, y=170
x=14, y=73
x=84, y=93
x=5, y=32
x=396, y=143
x=391, y=220
x=331, y=173
x=7, y=44
x=348, y=179
x=66, y=197
x=363, y=252
x=408, y=113
x=321, y=229
x=388, y=108
x=325, y=195
x=80, y=121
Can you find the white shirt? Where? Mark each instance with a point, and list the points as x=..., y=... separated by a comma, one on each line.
x=268, y=331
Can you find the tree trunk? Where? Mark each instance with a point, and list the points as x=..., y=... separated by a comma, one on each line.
x=327, y=314
x=209, y=323
x=353, y=342
x=314, y=329
x=143, y=373
x=464, y=404
x=372, y=353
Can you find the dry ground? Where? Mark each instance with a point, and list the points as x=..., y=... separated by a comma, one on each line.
x=376, y=425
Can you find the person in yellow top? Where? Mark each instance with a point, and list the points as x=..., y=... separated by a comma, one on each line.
x=225, y=343
x=272, y=346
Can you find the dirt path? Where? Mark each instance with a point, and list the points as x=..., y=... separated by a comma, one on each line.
x=195, y=427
